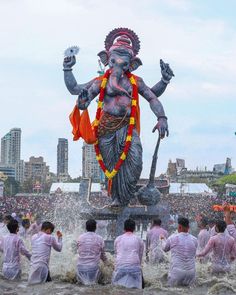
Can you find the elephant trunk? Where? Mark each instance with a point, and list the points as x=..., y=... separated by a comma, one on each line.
x=116, y=73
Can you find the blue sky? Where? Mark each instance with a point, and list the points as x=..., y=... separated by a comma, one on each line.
x=197, y=38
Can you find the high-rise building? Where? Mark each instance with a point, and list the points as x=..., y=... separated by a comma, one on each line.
x=20, y=171
x=224, y=168
x=5, y=149
x=37, y=170
x=62, y=159
x=90, y=166
x=11, y=152
x=11, y=147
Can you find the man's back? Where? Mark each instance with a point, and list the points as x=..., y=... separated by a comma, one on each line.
x=90, y=249
x=12, y=247
x=128, y=250
x=154, y=233
x=203, y=238
x=41, y=247
x=183, y=248
x=223, y=248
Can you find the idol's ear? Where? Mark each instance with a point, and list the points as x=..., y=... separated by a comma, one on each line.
x=134, y=64
x=104, y=57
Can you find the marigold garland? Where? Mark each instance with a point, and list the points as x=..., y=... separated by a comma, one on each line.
x=128, y=140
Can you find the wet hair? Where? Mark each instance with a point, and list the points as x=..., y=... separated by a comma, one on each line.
x=221, y=225
x=212, y=222
x=156, y=221
x=47, y=225
x=183, y=221
x=203, y=222
x=1, y=218
x=13, y=226
x=8, y=218
x=25, y=222
x=91, y=225
x=129, y=225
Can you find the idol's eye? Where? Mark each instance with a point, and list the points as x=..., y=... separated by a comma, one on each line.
x=125, y=64
x=113, y=60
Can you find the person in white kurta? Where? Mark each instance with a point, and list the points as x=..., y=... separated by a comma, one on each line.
x=24, y=228
x=154, y=252
x=41, y=251
x=91, y=250
x=223, y=247
x=183, y=247
x=12, y=246
x=3, y=226
x=128, y=258
x=203, y=238
x=35, y=227
x=230, y=225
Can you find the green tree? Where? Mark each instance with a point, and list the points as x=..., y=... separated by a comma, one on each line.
x=27, y=186
x=77, y=179
x=11, y=187
x=221, y=182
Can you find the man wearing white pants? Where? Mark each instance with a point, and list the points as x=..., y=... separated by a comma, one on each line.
x=183, y=247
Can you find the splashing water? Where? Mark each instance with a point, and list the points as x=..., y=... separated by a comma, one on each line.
x=66, y=217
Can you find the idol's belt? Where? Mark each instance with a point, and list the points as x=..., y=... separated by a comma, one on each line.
x=110, y=123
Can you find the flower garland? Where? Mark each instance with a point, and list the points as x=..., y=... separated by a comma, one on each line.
x=128, y=140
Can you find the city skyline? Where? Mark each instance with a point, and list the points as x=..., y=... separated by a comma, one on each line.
x=197, y=41
x=88, y=158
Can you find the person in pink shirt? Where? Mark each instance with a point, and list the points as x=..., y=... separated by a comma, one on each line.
x=91, y=250
x=24, y=228
x=183, y=247
x=12, y=246
x=154, y=252
x=230, y=225
x=203, y=237
x=223, y=247
x=3, y=228
x=35, y=227
x=128, y=258
x=212, y=227
x=41, y=250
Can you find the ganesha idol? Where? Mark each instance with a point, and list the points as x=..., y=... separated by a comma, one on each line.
x=115, y=132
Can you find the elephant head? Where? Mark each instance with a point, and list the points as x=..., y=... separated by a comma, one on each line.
x=120, y=56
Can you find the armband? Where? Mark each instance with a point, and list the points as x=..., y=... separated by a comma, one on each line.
x=162, y=117
x=165, y=81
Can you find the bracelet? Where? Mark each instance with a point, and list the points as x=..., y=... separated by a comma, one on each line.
x=67, y=70
x=162, y=117
x=165, y=81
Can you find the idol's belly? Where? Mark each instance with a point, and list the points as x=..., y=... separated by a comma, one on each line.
x=117, y=106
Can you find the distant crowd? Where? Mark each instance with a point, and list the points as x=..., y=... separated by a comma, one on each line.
x=186, y=205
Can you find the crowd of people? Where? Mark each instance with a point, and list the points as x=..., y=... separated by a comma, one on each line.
x=184, y=205
x=216, y=242
x=194, y=204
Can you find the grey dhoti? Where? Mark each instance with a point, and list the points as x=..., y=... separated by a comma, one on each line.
x=111, y=146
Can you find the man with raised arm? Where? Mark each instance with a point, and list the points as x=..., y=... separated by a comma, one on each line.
x=183, y=247
x=42, y=243
x=230, y=225
x=223, y=247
